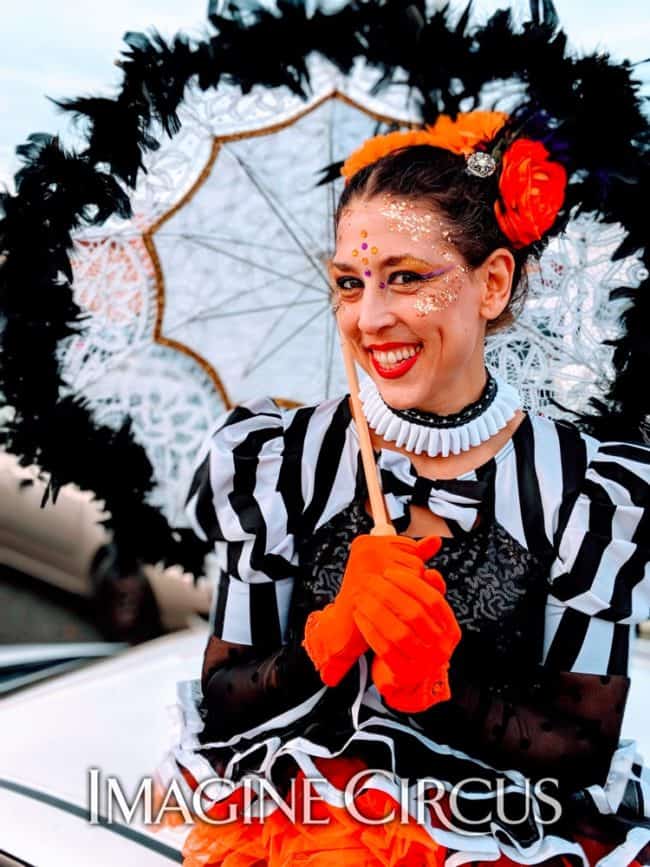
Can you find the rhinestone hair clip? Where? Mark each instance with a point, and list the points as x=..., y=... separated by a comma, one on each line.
x=481, y=164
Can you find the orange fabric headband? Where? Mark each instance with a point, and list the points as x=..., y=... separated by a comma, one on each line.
x=531, y=187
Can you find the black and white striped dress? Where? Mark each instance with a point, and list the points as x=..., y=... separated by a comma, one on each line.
x=547, y=587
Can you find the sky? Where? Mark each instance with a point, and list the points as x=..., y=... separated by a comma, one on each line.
x=68, y=49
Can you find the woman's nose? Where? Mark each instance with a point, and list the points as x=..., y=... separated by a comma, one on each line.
x=374, y=310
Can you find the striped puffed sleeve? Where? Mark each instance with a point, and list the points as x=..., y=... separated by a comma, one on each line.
x=234, y=503
x=600, y=579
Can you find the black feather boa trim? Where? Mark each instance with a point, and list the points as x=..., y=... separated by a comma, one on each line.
x=593, y=121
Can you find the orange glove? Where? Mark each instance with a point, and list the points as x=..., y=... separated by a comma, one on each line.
x=413, y=631
x=332, y=639
x=410, y=699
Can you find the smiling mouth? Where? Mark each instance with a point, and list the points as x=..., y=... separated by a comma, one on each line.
x=394, y=362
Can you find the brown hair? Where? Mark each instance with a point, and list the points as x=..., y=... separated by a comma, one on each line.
x=465, y=201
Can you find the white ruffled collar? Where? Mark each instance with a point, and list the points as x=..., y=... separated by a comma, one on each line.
x=419, y=438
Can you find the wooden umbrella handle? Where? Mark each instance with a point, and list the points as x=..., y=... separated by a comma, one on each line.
x=382, y=525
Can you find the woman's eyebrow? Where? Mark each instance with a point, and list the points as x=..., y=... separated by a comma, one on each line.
x=388, y=262
x=391, y=261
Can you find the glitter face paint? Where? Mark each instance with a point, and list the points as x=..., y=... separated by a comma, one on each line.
x=439, y=297
x=426, y=303
x=402, y=217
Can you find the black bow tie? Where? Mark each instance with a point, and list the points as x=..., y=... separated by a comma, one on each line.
x=456, y=500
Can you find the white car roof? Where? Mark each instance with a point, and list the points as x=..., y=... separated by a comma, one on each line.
x=118, y=716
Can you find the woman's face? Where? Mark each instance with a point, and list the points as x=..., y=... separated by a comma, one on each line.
x=409, y=305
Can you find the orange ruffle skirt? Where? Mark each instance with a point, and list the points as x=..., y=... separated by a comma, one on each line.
x=338, y=838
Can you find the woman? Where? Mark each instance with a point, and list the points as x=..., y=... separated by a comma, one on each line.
x=484, y=664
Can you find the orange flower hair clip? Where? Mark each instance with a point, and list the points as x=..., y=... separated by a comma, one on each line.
x=531, y=190
x=531, y=187
x=461, y=136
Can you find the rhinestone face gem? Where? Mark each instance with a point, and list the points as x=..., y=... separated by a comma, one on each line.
x=481, y=164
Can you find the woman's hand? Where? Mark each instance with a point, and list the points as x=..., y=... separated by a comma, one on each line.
x=332, y=638
x=410, y=698
x=413, y=631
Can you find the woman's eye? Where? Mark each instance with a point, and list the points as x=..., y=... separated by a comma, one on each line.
x=349, y=283
x=400, y=278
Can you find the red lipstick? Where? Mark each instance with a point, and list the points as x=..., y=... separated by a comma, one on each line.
x=399, y=370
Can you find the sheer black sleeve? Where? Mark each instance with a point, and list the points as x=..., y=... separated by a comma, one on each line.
x=563, y=725
x=243, y=687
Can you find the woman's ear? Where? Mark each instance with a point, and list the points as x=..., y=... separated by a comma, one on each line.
x=497, y=273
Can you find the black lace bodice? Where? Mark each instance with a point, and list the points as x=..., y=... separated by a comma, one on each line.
x=495, y=587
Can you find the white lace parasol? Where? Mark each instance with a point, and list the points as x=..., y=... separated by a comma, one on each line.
x=216, y=291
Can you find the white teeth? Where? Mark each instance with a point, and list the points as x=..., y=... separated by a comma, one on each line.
x=395, y=356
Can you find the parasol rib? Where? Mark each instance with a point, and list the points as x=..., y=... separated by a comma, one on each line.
x=276, y=210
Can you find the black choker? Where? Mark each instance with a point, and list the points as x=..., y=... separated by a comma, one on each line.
x=467, y=414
